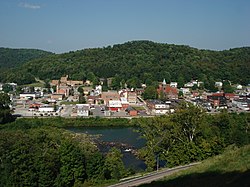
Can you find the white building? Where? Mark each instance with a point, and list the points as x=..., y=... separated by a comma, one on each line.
x=173, y=84
x=218, y=84
x=29, y=95
x=82, y=110
x=161, y=108
x=46, y=108
x=185, y=91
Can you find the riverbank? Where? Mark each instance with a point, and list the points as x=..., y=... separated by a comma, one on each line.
x=71, y=122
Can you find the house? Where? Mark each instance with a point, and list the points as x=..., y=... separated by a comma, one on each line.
x=131, y=111
x=139, y=91
x=57, y=97
x=82, y=110
x=64, y=81
x=114, y=105
x=158, y=107
x=173, y=84
x=132, y=97
x=109, y=81
x=29, y=95
x=124, y=102
x=93, y=99
x=167, y=91
x=217, y=100
x=110, y=95
x=188, y=85
x=231, y=96
x=185, y=91
x=218, y=84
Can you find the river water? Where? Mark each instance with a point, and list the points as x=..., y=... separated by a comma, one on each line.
x=126, y=135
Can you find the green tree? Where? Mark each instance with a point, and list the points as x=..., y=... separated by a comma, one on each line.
x=150, y=93
x=113, y=165
x=5, y=113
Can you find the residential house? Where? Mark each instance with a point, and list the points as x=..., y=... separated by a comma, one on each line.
x=173, y=84
x=218, y=84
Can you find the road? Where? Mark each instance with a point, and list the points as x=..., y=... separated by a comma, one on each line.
x=152, y=176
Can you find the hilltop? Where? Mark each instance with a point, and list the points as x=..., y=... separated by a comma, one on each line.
x=10, y=58
x=139, y=62
x=232, y=168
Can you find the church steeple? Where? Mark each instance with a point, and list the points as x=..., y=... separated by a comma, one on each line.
x=164, y=82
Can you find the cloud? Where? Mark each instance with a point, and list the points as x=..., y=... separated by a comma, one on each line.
x=30, y=6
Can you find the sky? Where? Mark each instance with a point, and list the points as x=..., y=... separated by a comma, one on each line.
x=67, y=25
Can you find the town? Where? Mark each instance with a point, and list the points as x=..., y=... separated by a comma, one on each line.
x=74, y=98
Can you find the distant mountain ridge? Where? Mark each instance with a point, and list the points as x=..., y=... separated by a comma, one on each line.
x=10, y=58
x=137, y=62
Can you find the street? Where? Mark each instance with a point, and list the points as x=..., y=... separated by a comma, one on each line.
x=153, y=176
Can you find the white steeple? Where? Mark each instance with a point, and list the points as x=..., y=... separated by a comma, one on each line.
x=164, y=82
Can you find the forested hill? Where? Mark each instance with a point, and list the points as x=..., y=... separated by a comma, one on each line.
x=15, y=57
x=140, y=62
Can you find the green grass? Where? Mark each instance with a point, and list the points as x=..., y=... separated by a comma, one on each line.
x=36, y=84
x=232, y=168
x=138, y=108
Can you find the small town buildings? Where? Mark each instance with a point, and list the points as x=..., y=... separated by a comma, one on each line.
x=57, y=97
x=124, y=102
x=33, y=95
x=114, y=105
x=173, y=84
x=217, y=100
x=46, y=108
x=218, y=84
x=92, y=99
x=110, y=95
x=131, y=111
x=158, y=107
x=188, y=85
x=66, y=81
x=132, y=97
x=166, y=91
x=185, y=91
x=82, y=110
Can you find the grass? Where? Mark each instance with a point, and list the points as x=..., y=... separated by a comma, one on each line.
x=138, y=108
x=232, y=168
x=36, y=84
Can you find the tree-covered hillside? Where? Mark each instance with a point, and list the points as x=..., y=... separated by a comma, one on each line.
x=15, y=57
x=140, y=62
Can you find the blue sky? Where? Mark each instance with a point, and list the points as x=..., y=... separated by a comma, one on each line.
x=68, y=25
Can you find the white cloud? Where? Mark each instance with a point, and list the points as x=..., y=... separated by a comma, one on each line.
x=30, y=6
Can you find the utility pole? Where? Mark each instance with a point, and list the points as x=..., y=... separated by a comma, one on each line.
x=157, y=162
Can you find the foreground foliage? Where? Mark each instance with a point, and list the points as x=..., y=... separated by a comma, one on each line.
x=191, y=135
x=49, y=156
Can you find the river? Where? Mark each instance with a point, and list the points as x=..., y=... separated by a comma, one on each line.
x=124, y=135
